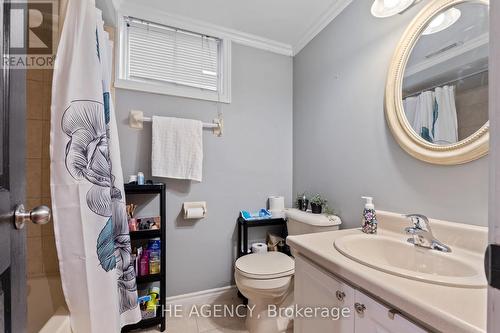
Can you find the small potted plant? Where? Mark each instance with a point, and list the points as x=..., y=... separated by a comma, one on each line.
x=301, y=202
x=317, y=204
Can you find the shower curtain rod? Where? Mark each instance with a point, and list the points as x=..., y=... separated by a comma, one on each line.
x=447, y=82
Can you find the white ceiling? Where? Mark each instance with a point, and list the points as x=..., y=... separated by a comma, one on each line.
x=291, y=22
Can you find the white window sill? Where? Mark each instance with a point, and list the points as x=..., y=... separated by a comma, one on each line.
x=172, y=90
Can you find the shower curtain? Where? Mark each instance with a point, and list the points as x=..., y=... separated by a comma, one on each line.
x=433, y=115
x=88, y=201
x=423, y=122
x=446, y=127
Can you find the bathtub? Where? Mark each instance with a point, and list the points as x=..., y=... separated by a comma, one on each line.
x=58, y=323
x=46, y=304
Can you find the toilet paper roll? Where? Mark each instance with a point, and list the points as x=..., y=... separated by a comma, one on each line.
x=194, y=213
x=276, y=203
x=259, y=248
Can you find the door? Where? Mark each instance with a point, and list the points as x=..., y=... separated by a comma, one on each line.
x=315, y=289
x=373, y=317
x=12, y=185
x=493, y=267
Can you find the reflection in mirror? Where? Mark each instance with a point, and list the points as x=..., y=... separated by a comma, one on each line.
x=445, y=84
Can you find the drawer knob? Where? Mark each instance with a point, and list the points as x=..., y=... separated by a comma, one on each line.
x=340, y=295
x=360, y=308
x=392, y=313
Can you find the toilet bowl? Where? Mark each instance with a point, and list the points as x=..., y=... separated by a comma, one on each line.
x=266, y=280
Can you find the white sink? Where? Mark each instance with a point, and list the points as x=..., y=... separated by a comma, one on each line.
x=396, y=256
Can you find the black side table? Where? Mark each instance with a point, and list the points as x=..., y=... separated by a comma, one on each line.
x=243, y=226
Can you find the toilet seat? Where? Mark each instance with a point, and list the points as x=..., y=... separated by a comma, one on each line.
x=270, y=265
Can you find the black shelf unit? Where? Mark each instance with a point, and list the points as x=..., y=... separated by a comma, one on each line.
x=159, y=190
x=145, y=234
x=148, y=278
x=243, y=226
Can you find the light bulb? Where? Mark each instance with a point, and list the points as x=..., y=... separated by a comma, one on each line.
x=437, y=21
x=390, y=3
x=386, y=8
x=443, y=21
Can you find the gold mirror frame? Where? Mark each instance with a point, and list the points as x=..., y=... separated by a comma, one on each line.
x=469, y=149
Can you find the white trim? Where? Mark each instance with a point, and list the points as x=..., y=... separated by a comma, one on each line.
x=169, y=89
x=332, y=12
x=122, y=82
x=163, y=17
x=204, y=296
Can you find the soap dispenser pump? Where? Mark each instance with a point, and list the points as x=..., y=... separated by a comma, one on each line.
x=369, y=223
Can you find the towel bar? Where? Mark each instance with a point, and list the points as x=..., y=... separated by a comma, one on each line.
x=136, y=120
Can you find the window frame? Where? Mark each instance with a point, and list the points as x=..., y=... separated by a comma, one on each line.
x=122, y=81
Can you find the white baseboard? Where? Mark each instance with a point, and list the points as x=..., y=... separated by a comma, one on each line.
x=204, y=297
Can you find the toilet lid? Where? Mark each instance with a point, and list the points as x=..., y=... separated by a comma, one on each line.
x=266, y=265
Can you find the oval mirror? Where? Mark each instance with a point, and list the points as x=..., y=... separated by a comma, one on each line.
x=437, y=88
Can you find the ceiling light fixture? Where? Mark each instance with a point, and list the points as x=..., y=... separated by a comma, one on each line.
x=386, y=8
x=443, y=21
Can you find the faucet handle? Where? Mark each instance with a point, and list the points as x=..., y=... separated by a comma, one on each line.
x=411, y=230
x=420, y=222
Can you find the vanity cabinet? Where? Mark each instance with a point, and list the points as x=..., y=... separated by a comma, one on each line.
x=316, y=288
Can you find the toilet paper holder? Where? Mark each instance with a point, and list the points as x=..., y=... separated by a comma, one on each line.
x=191, y=209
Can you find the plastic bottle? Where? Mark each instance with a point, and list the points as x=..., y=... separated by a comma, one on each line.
x=154, y=263
x=369, y=220
x=144, y=264
x=140, y=178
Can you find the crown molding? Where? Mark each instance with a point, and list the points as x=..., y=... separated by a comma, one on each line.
x=236, y=36
x=333, y=11
x=166, y=18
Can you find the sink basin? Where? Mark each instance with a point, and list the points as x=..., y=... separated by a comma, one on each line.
x=398, y=257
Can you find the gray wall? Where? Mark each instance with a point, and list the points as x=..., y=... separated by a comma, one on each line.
x=342, y=145
x=241, y=169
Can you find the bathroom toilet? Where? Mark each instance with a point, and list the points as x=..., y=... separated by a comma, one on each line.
x=266, y=280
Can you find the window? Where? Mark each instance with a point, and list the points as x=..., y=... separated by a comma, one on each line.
x=163, y=59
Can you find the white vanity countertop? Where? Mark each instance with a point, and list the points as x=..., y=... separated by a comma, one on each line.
x=444, y=308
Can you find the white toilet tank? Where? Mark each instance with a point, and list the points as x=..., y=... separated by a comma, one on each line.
x=300, y=222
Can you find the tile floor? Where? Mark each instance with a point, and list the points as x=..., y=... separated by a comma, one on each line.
x=199, y=324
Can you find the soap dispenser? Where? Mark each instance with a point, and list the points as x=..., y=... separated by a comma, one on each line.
x=369, y=223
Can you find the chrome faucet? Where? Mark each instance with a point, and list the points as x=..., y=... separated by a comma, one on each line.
x=422, y=234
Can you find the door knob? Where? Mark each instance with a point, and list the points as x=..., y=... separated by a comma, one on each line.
x=38, y=215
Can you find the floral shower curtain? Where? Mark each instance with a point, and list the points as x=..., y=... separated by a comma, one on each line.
x=433, y=115
x=90, y=220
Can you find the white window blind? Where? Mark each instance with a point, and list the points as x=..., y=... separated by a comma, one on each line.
x=164, y=54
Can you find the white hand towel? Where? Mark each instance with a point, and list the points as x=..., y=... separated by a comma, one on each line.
x=177, y=148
